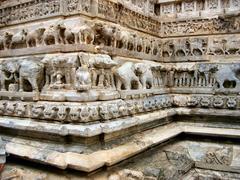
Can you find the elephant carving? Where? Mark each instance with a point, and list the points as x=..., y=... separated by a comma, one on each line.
x=71, y=35
x=104, y=34
x=32, y=72
x=86, y=34
x=145, y=75
x=53, y=34
x=122, y=108
x=83, y=79
x=22, y=71
x=5, y=40
x=18, y=38
x=9, y=73
x=126, y=77
x=205, y=70
x=227, y=76
x=113, y=110
x=34, y=37
x=121, y=39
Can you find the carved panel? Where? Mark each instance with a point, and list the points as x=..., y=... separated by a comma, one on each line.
x=29, y=11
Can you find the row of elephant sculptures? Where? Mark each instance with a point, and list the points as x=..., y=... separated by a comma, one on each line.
x=84, y=33
x=217, y=76
x=117, y=37
x=84, y=113
x=201, y=46
x=32, y=76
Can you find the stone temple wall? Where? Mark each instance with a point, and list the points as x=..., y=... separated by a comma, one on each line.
x=79, y=79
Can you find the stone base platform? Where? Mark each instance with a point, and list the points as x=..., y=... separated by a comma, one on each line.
x=80, y=153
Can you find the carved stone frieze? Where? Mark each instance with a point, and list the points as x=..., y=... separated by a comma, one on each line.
x=80, y=112
x=103, y=80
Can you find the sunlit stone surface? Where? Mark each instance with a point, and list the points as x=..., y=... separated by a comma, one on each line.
x=119, y=89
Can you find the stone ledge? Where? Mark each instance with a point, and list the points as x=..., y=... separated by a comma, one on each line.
x=83, y=130
x=98, y=159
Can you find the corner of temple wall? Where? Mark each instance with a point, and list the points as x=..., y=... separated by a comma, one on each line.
x=119, y=89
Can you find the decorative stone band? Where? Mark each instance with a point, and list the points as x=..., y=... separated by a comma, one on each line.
x=109, y=110
x=83, y=112
x=201, y=26
x=123, y=42
x=182, y=10
x=35, y=10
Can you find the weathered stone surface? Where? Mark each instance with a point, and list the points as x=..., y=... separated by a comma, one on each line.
x=91, y=84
